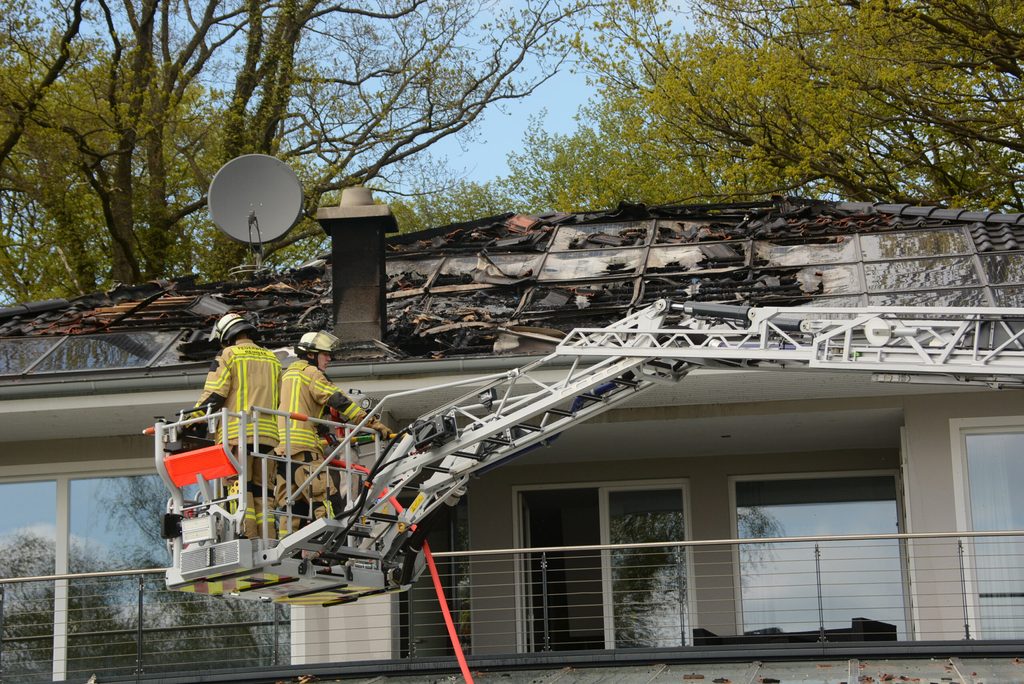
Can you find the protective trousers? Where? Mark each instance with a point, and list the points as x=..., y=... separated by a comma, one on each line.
x=255, y=513
x=319, y=499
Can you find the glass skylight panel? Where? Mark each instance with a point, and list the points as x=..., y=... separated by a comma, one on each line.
x=850, y=301
x=951, y=297
x=591, y=264
x=681, y=259
x=513, y=266
x=685, y=258
x=18, y=354
x=601, y=235
x=920, y=274
x=829, y=280
x=1012, y=296
x=917, y=243
x=1003, y=268
x=113, y=350
x=801, y=255
x=410, y=272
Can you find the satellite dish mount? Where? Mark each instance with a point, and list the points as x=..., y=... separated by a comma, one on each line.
x=255, y=199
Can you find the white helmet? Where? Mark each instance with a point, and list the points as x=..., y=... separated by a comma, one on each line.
x=229, y=327
x=314, y=342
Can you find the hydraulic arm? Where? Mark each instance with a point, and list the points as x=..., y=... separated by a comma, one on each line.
x=373, y=545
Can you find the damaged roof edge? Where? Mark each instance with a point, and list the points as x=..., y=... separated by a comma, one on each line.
x=178, y=380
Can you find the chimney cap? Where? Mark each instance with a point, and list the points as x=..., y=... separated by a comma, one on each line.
x=357, y=206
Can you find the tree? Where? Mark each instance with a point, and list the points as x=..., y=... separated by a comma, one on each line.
x=155, y=96
x=431, y=204
x=863, y=100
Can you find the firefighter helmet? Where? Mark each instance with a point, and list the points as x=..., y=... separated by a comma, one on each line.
x=230, y=326
x=315, y=342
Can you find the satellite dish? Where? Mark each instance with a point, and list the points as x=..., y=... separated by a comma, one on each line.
x=254, y=199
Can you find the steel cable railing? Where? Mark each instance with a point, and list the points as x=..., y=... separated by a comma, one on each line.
x=700, y=594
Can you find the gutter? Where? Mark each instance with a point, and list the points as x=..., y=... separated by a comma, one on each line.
x=194, y=377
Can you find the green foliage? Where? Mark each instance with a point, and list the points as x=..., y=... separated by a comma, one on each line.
x=113, y=120
x=868, y=100
x=429, y=206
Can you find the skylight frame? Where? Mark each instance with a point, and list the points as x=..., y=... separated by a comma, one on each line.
x=32, y=369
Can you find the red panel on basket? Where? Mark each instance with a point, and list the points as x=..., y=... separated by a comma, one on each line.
x=211, y=462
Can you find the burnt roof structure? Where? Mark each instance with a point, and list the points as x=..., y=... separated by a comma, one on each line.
x=514, y=283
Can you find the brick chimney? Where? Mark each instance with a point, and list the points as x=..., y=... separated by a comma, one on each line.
x=357, y=227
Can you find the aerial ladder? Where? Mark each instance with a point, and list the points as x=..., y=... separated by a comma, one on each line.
x=394, y=491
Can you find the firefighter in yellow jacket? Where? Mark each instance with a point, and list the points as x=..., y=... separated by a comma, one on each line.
x=307, y=391
x=244, y=375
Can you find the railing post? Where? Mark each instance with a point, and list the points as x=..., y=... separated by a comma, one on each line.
x=544, y=598
x=963, y=587
x=2, y=633
x=138, y=631
x=275, y=656
x=412, y=640
x=821, y=608
x=681, y=579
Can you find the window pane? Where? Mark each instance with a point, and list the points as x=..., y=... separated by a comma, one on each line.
x=995, y=469
x=27, y=531
x=114, y=350
x=920, y=274
x=114, y=526
x=564, y=591
x=16, y=355
x=916, y=243
x=649, y=588
x=779, y=581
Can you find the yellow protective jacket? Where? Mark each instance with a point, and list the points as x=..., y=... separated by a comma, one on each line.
x=246, y=375
x=306, y=390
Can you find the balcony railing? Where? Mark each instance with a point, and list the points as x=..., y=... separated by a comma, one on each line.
x=820, y=591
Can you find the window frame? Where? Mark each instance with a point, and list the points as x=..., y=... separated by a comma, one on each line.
x=959, y=430
x=521, y=573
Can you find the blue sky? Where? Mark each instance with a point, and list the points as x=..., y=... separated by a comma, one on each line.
x=501, y=131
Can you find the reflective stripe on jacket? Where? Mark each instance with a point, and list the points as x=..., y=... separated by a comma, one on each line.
x=246, y=375
x=306, y=390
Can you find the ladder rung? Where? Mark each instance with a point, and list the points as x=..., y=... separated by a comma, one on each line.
x=591, y=397
x=626, y=383
x=500, y=441
x=561, y=412
x=468, y=454
x=529, y=428
x=437, y=469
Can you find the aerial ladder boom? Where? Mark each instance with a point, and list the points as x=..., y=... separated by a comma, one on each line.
x=373, y=546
